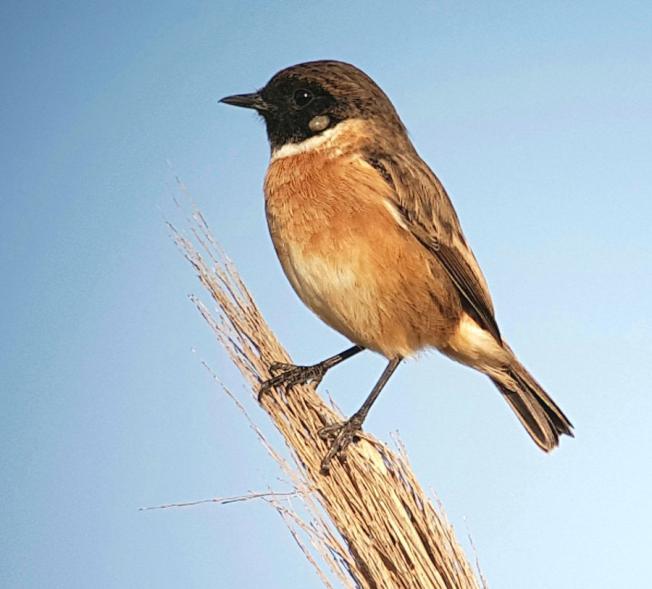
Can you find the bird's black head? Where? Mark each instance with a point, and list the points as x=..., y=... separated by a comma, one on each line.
x=305, y=100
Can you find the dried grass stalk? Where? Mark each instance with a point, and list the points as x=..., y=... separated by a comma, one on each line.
x=369, y=520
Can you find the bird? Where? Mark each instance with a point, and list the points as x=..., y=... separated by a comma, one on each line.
x=370, y=241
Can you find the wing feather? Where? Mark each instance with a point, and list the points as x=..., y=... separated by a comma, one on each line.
x=428, y=212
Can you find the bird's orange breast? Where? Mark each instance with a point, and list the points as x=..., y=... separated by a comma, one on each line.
x=347, y=256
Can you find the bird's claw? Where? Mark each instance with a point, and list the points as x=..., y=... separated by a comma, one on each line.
x=289, y=375
x=342, y=435
x=281, y=367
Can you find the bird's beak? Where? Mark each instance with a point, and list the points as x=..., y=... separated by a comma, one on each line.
x=253, y=100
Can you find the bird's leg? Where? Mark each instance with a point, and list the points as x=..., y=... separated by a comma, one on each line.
x=343, y=434
x=291, y=375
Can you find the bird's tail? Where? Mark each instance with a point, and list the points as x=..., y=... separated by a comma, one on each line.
x=538, y=413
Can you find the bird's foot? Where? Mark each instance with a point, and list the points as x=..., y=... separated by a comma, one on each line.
x=289, y=375
x=342, y=435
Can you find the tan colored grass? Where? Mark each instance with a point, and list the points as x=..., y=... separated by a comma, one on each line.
x=368, y=523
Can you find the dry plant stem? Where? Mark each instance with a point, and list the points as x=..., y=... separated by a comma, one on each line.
x=369, y=520
x=221, y=500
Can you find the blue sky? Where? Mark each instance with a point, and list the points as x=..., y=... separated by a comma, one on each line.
x=538, y=119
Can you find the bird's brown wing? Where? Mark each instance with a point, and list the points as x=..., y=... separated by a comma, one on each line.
x=428, y=213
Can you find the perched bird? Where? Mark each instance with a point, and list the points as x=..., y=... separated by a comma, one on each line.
x=370, y=241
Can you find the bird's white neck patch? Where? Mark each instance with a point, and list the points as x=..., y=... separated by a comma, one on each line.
x=324, y=140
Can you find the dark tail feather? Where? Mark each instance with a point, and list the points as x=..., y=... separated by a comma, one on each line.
x=538, y=413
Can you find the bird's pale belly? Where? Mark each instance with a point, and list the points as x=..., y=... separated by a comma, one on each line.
x=340, y=289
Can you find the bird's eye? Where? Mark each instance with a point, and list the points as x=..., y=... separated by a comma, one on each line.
x=302, y=97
